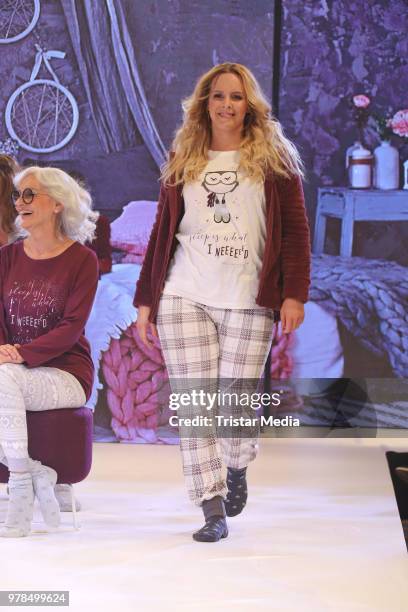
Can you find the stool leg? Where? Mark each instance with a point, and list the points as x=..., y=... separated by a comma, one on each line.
x=346, y=240
x=347, y=228
x=73, y=505
x=320, y=233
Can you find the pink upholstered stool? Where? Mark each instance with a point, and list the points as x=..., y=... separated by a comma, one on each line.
x=61, y=439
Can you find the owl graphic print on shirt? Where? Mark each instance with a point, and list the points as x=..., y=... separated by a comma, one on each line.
x=220, y=237
x=218, y=184
x=225, y=245
x=215, y=222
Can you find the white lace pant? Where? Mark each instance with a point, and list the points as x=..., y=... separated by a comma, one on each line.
x=22, y=389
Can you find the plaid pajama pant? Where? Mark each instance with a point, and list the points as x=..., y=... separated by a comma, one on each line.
x=202, y=347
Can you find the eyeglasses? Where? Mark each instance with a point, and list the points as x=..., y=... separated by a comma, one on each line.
x=27, y=195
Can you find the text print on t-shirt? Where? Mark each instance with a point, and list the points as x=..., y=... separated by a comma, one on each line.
x=34, y=307
x=225, y=245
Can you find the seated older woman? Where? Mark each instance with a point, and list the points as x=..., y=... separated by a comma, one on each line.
x=47, y=285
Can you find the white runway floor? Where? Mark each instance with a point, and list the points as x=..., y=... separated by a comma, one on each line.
x=320, y=532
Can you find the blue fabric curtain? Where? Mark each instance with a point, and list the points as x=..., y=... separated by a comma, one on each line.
x=105, y=54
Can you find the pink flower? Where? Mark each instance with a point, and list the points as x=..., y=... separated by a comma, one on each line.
x=399, y=123
x=361, y=101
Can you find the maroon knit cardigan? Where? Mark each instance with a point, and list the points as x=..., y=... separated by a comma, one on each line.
x=285, y=271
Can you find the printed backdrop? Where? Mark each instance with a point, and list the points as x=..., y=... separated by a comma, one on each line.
x=120, y=70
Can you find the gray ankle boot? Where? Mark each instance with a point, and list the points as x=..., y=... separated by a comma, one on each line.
x=215, y=526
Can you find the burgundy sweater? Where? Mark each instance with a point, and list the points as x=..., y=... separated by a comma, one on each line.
x=285, y=271
x=45, y=304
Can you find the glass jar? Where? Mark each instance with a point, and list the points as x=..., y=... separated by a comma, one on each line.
x=361, y=168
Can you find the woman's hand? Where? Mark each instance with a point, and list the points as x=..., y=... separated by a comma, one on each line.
x=9, y=353
x=292, y=313
x=143, y=324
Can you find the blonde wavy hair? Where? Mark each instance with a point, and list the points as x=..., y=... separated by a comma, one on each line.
x=263, y=148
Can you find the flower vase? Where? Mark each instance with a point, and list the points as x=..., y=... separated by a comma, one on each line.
x=386, y=169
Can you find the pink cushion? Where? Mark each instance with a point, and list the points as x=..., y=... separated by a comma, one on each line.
x=131, y=231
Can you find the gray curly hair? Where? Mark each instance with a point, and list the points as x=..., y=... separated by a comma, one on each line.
x=77, y=219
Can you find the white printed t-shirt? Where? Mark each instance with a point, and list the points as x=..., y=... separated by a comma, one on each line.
x=221, y=237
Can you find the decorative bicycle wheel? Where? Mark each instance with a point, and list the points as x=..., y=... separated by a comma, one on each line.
x=17, y=19
x=42, y=116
